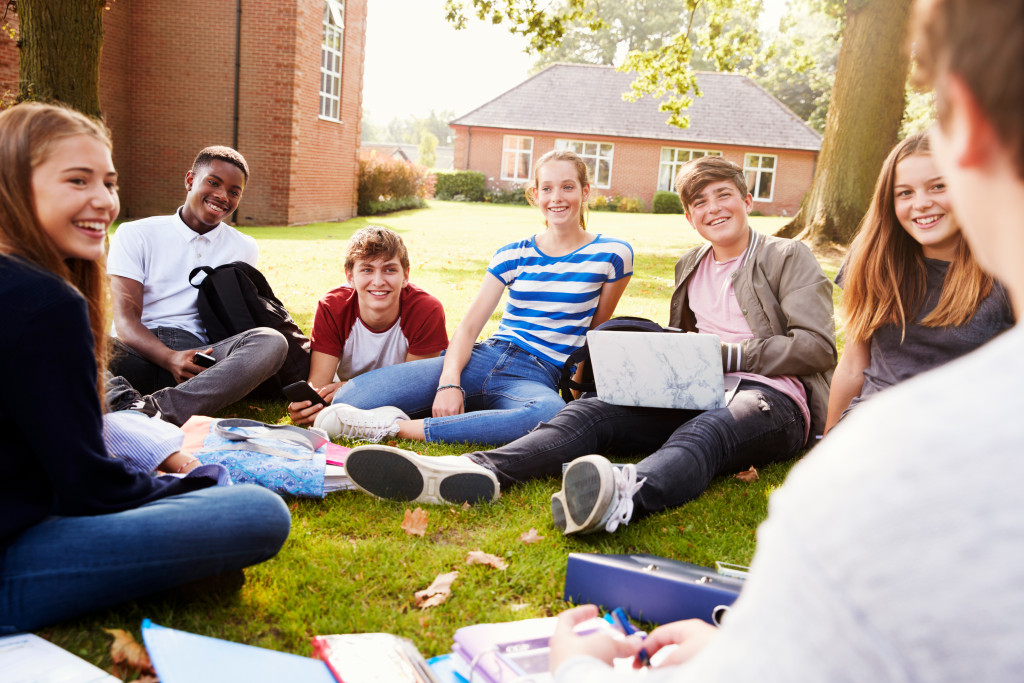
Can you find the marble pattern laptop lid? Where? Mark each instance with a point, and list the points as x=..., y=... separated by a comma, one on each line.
x=658, y=370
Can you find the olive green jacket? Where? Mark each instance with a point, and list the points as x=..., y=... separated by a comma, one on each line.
x=787, y=301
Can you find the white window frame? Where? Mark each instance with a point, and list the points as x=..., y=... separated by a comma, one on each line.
x=332, y=47
x=755, y=170
x=679, y=156
x=520, y=148
x=593, y=152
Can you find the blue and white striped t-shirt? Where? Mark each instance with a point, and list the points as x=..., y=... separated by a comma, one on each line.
x=552, y=299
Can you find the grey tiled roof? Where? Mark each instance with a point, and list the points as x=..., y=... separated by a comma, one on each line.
x=578, y=98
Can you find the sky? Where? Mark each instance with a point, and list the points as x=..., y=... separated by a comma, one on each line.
x=417, y=62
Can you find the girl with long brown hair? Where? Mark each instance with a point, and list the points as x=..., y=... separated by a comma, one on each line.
x=69, y=513
x=914, y=297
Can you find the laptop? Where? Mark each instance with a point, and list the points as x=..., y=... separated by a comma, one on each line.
x=657, y=369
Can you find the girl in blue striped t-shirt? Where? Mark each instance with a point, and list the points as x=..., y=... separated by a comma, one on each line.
x=561, y=282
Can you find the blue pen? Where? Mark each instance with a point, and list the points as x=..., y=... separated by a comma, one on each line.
x=628, y=628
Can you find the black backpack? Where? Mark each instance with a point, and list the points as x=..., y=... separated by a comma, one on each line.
x=234, y=298
x=626, y=323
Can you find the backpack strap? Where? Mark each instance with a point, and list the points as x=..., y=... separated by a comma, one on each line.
x=625, y=323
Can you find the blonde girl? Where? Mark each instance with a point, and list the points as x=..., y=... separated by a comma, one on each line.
x=561, y=282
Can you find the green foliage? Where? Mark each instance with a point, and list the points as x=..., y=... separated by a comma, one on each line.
x=666, y=202
x=500, y=195
x=428, y=149
x=918, y=113
x=616, y=203
x=799, y=65
x=385, y=182
x=626, y=26
x=630, y=205
x=374, y=208
x=468, y=186
x=723, y=31
x=410, y=130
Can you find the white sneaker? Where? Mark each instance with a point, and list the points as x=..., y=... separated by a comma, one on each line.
x=595, y=494
x=396, y=474
x=343, y=420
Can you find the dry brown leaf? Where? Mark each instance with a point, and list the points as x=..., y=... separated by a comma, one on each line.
x=294, y=506
x=415, y=522
x=256, y=408
x=748, y=476
x=466, y=506
x=530, y=536
x=124, y=650
x=437, y=592
x=480, y=557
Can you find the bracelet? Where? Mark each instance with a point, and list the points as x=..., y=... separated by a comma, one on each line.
x=452, y=386
x=186, y=464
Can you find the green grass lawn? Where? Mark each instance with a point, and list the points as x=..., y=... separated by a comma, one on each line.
x=348, y=566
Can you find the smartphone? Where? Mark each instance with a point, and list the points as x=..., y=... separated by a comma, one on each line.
x=301, y=391
x=203, y=360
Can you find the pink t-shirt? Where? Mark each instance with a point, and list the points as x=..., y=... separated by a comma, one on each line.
x=338, y=331
x=714, y=305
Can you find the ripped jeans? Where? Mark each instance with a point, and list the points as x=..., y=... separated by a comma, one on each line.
x=688, y=448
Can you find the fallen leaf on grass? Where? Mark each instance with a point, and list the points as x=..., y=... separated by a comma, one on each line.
x=467, y=506
x=530, y=536
x=127, y=653
x=480, y=557
x=748, y=476
x=256, y=408
x=415, y=522
x=294, y=506
x=437, y=592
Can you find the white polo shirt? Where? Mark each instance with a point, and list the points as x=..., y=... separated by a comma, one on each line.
x=160, y=252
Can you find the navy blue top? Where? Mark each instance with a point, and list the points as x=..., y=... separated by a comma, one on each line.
x=52, y=457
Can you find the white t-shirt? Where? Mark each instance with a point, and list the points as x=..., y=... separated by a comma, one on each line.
x=160, y=252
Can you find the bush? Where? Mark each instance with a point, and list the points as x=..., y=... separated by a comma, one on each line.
x=666, y=202
x=630, y=205
x=603, y=203
x=374, y=208
x=467, y=186
x=516, y=195
x=383, y=180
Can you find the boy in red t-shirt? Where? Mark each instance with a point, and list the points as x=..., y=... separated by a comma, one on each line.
x=378, y=319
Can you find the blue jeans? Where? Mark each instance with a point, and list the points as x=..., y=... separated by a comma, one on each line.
x=67, y=566
x=509, y=391
x=244, y=361
x=688, y=448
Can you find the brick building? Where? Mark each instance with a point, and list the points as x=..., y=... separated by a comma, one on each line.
x=280, y=80
x=630, y=149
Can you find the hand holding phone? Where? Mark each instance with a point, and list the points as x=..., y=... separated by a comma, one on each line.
x=301, y=391
x=203, y=360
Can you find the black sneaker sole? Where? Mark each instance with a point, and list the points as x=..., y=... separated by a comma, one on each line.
x=385, y=474
x=584, y=481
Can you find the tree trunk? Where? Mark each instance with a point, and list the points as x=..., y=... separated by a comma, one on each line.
x=60, y=48
x=863, y=122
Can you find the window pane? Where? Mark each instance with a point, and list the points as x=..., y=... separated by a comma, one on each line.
x=764, y=190
x=524, y=166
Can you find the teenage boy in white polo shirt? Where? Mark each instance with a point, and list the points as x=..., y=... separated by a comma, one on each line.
x=156, y=313
x=377, y=319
